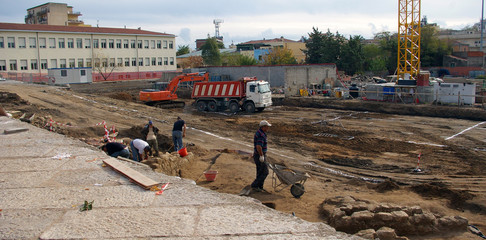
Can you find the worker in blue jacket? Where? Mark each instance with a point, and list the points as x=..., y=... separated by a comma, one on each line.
x=260, y=156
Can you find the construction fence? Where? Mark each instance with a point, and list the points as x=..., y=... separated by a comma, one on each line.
x=97, y=77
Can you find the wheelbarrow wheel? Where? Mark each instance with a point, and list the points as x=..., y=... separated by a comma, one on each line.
x=297, y=190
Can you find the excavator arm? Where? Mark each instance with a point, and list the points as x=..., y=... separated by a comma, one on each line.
x=188, y=77
x=168, y=98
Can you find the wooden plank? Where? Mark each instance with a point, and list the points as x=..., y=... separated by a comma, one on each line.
x=15, y=130
x=137, y=177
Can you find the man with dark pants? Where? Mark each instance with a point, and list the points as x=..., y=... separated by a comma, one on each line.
x=178, y=132
x=260, y=155
x=115, y=149
x=150, y=133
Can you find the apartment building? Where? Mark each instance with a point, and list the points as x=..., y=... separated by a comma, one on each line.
x=258, y=48
x=33, y=48
x=54, y=14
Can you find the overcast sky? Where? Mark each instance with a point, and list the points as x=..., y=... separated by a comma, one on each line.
x=254, y=19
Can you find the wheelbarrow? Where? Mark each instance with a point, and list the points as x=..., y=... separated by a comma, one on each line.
x=288, y=177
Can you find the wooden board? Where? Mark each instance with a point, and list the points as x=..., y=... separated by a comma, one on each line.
x=137, y=177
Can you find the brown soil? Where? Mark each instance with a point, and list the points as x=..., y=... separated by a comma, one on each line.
x=367, y=150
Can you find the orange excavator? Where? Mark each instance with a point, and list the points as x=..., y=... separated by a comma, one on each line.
x=167, y=98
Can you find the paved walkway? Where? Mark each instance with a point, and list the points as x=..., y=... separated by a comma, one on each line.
x=45, y=178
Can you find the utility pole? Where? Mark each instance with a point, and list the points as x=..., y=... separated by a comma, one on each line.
x=482, y=29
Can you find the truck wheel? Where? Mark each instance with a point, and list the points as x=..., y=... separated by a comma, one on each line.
x=201, y=106
x=212, y=107
x=234, y=107
x=250, y=107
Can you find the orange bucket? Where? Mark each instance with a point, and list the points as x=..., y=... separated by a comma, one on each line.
x=210, y=175
x=183, y=152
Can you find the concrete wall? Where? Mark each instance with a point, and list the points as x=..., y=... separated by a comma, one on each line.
x=290, y=77
x=305, y=76
x=273, y=74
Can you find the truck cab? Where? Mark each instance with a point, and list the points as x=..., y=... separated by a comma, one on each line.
x=259, y=93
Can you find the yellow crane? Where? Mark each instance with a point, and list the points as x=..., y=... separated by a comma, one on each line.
x=408, y=67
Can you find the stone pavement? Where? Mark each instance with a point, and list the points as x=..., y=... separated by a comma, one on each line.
x=45, y=178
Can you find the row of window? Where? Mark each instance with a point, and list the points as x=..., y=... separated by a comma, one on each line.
x=86, y=43
x=81, y=62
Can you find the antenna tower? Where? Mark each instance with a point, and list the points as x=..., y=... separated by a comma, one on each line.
x=216, y=27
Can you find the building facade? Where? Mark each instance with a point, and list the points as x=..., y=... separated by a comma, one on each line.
x=33, y=48
x=54, y=14
x=258, y=48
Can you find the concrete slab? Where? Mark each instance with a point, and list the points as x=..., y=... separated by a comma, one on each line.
x=26, y=224
x=184, y=194
x=24, y=179
x=250, y=218
x=125, y=223
x=73, y=197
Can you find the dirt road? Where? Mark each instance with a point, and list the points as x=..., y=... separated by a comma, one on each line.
x=347, y=153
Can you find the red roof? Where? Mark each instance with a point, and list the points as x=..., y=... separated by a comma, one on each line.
x=269, y=41
x=74, y=29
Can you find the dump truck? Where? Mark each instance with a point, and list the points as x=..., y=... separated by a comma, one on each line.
x=247, y=93
x=163, y=96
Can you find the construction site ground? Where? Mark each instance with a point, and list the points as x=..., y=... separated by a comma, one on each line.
x=367, y=150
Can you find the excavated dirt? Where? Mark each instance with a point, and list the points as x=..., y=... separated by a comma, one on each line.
x=364, y=150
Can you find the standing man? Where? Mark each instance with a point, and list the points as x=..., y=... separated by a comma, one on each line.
x=178, y=132
x=115, y=149
x=260, y=155
x=140, y=149
x=149, y=133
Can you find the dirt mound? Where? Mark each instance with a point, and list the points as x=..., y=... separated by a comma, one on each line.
x=125, y=96
x=386, y=186
x=457, y=198
x=11, y=98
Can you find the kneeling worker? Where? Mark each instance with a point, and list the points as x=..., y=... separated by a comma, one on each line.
x=115, y=149
x=140, y=149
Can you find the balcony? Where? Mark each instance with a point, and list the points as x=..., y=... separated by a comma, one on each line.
x=75, y=13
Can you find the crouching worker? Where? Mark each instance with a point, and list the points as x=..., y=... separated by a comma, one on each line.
x=115, y=149
x=140, y=150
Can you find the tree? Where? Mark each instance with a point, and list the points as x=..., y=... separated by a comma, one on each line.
x=374, y=58
x=236, y=59
x=389, y=45
x=335, y=48
x=278, y=56
x=432, y=49
x=184, y=49
x=104, y=65
x=351, y=58
x=210, y=52
x=313, y=46
x=192, y=62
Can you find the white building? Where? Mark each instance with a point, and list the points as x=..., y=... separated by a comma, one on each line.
x=33, y=48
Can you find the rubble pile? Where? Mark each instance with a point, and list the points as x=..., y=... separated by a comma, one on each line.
x=353, y=216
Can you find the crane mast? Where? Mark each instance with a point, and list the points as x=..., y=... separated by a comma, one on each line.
x=408, y=67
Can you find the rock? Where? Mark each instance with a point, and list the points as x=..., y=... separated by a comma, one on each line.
x=383, y=216
x=453, y=223
x=367, y=234
x=399, y=216
x=386, y=207
x=386, y=233
x=364, y=216
x=413, y=210
x=339, y=200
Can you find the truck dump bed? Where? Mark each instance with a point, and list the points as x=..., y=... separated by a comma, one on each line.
x=218, y=89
